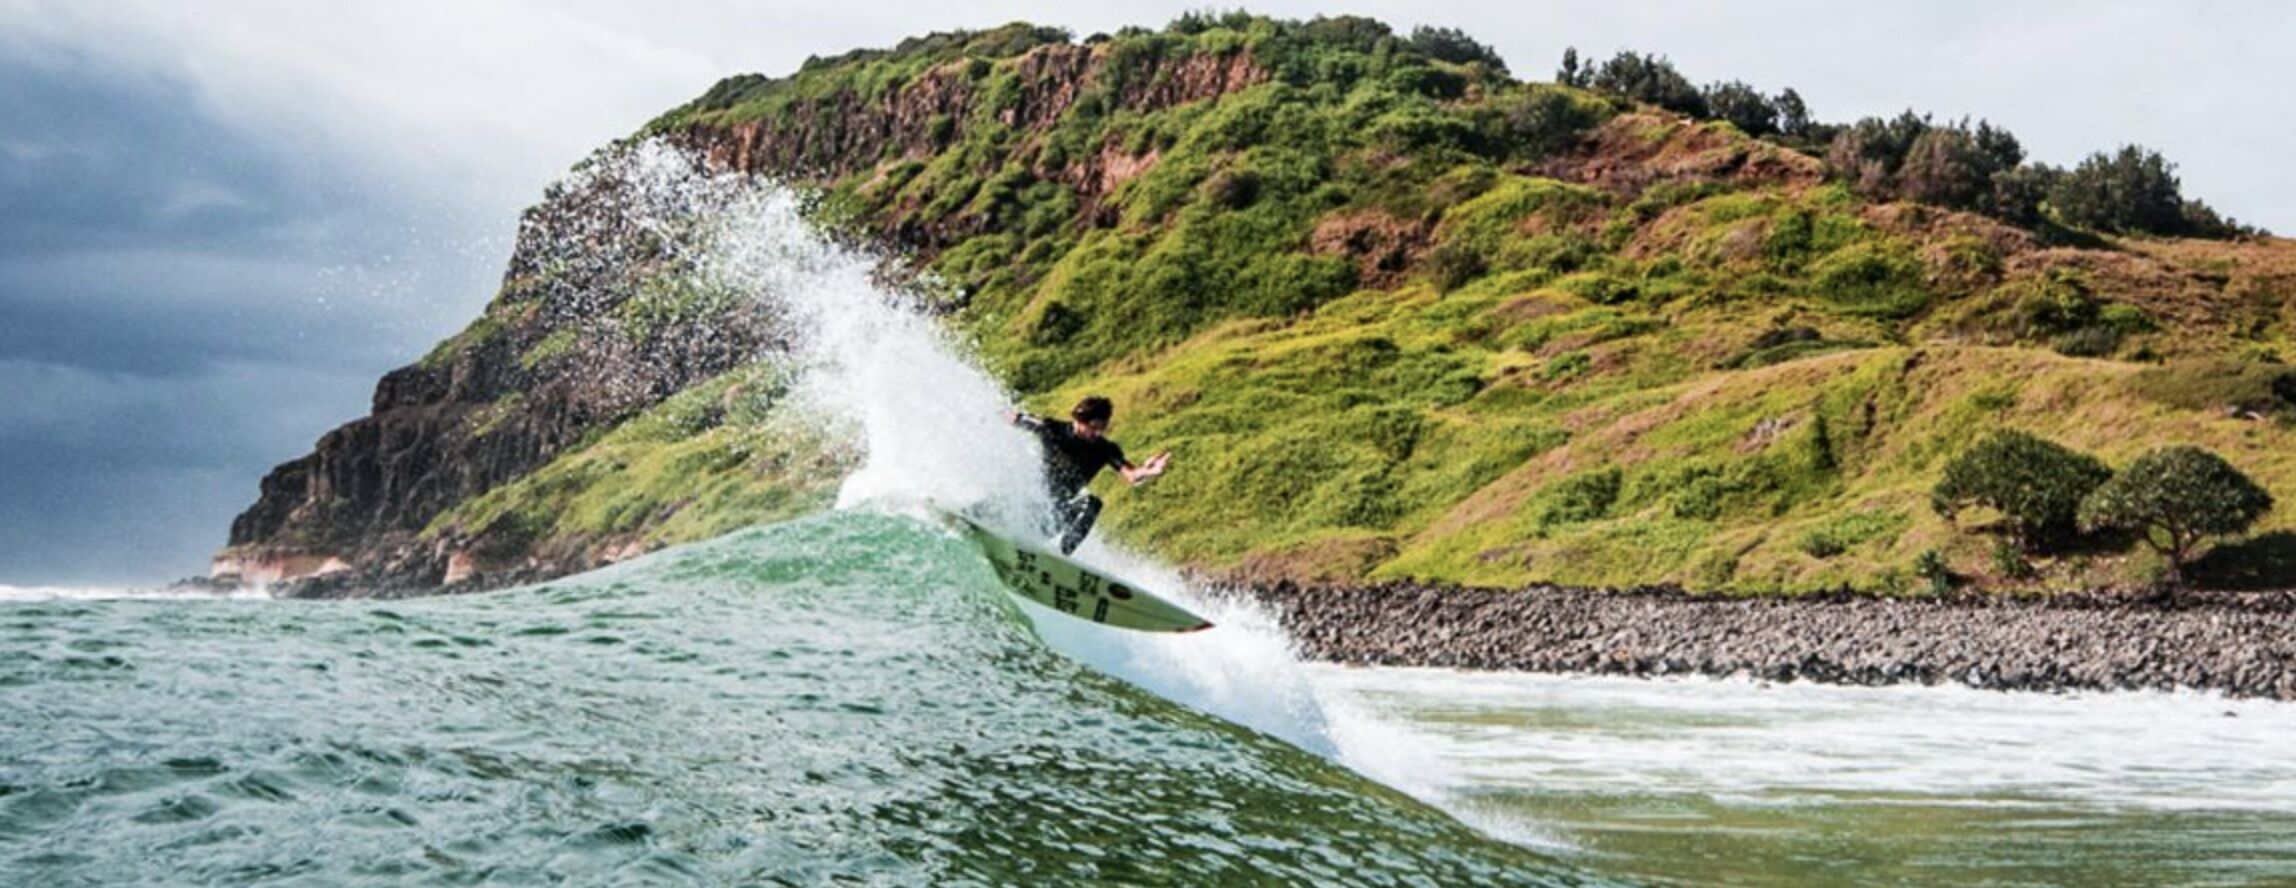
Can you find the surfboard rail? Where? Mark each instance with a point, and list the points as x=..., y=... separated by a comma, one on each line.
x=1069, y=588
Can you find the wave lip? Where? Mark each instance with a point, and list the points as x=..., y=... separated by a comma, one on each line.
x=101, y=593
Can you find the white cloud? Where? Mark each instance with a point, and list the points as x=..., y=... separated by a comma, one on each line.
x=490, y=100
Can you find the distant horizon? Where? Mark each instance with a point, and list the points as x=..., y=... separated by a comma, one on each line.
x=222, y=226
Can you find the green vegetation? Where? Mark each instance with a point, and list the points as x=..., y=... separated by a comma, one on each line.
x=1400, y=315
x=712, y=459
x=2177, y=497
x=1911, y=157
x=2036, y=485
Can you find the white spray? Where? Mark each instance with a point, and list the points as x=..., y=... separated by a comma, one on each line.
x=933, y=429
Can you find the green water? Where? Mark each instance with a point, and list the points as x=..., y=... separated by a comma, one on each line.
x=842, y=700
x=849, y=700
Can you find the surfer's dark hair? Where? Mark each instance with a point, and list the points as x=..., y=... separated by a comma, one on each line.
x=1093, y=410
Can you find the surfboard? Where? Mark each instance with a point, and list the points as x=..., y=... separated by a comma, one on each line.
x=1072, y=589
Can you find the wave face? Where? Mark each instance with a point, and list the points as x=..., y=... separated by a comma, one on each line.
x=848, y=698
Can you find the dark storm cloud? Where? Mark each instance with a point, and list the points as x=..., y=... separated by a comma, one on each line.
x=169, y=312
x=91, y=159
x=136, y=237
x=182, y=306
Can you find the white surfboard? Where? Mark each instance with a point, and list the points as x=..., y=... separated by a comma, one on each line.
x=1075, y=590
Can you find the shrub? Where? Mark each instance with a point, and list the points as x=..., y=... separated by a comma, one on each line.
x=2177, y=497
x=2284, y=388
x=1933, y=569
x=1582, y=497
x=2009, y=561
x=2088, y=342
x=2038, y=485
x=1872, y=281
x=1452, y=264
x=1851, y=530
x=1821, y=545
x=1538, y=122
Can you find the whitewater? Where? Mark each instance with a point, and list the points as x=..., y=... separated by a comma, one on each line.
x=851, y=698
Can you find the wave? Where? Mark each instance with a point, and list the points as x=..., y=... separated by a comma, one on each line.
x=847, y=697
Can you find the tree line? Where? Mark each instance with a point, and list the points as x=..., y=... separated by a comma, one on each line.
x=1980, y=168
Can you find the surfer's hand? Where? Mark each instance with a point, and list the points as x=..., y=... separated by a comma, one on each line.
x=1155, y=465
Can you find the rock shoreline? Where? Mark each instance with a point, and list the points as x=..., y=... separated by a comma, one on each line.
x=2238, y=644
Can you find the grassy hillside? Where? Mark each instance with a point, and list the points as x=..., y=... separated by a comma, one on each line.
x=1399, y=314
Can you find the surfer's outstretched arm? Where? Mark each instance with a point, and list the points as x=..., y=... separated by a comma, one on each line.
x=1138, y=474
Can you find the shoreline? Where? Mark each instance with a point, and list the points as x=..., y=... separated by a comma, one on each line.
x=2239, y=644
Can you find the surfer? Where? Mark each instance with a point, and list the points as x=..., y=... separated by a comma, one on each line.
x=1074, y=452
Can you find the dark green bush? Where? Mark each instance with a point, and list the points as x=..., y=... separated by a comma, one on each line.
x=2087, y=342
x=1582, y=497
x=2176, y=497
x=1454, y=46
x=1743, y=107
x=1452, y=264
x=2284, y=388
x=2036, y=484
x=1872, y=281
x=1649, y=78
x=1535, y=123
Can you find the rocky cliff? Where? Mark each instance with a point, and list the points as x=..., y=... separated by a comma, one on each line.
x=558, y=357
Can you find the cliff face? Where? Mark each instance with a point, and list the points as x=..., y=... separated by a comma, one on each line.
x=826, y=138
x=551, y=362
x=1399, y=314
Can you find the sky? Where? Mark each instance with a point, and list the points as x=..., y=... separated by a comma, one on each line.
x=222, y=222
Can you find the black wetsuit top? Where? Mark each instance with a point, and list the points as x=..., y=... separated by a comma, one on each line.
x=1071, y=460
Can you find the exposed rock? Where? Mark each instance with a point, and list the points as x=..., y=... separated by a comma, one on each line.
x=487, y=408
x=2237, y=644
x=846, y=133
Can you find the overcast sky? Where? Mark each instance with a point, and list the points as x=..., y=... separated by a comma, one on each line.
x=220, y=222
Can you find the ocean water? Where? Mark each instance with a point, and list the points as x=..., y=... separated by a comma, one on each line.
x=850, y=699
x=846, y=699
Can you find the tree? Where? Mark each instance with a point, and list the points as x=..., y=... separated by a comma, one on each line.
x=1454, y=46
x=1867, y=153
x=2019, y=192
x=1743, y=107
x=1649, y=79
x=1949, y=165
x=2132, y=191
x=2038, y=485
x=1944, y=166
x=2177, y=497
x=1571, y=72
x=1793, y=115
